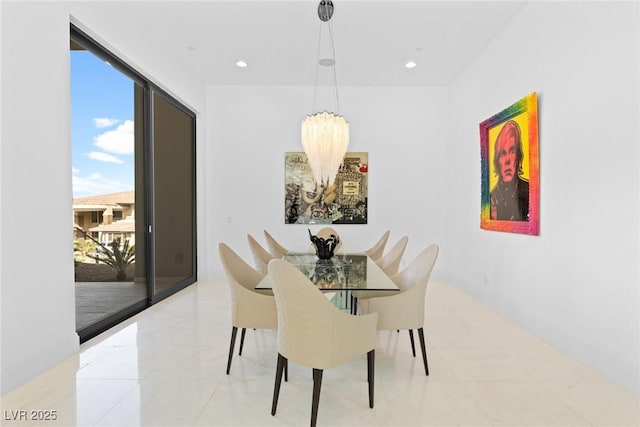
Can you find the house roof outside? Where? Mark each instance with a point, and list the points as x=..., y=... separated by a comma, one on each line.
x=104, y=202
x=124, y=226
x=122, y=198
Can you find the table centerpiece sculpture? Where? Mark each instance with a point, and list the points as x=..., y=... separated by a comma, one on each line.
x=324, y=247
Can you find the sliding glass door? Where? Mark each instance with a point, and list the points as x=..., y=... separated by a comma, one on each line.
x=142, y=220
x=173, y=225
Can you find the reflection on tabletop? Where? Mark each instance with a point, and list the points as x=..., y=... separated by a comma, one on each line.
x=339, y=272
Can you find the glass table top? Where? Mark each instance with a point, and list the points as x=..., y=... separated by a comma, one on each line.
x=346, y=271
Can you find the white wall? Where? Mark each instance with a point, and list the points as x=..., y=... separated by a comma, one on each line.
x=37, y=283
x=38, y=314
x=575, y=285
x=250, y=128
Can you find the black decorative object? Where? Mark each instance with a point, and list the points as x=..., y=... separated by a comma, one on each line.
x=324, y=247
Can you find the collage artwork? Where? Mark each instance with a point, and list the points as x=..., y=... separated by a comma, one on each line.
x=343, y=202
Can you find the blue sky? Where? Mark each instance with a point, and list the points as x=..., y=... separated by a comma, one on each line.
x=101, y=127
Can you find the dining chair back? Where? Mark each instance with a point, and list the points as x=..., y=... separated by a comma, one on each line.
x=390, y=262
x=261, y=256
x=405, y=310
x=325, y=233
x=314, y=333
x=376, y=251
x=249, y=309
x=276, y=249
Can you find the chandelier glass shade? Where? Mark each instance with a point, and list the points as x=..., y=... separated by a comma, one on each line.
x=325, y=135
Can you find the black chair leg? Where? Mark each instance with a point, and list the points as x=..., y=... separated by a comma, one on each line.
x=413, y=345
x=371, y=362
x=317, y=383
x=424, y=350
x=282, y=362
x=242, y=341
x=286, y=369
x=234, y=331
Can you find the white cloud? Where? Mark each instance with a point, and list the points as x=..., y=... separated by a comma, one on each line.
x=96, y=184
x=104, y=157
x=118, y=141
x=75, y=171
x=105, y=122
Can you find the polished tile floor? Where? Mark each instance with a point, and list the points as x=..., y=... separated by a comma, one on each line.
x=166, y=367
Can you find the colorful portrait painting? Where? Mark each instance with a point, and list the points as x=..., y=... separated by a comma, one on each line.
x=343, y=202
x=510, y=169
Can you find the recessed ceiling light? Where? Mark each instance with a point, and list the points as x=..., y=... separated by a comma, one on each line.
x=241, y=64
x=410, y=64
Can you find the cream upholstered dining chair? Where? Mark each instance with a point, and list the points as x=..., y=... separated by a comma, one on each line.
x=315, y=333
x=261, y=256
x=276, y=249
x=405, y=310
x=249, y=309
x=326, y=232
x=390, y=262
x=376, y=251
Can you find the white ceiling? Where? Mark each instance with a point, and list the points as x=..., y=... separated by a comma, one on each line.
x=279, y=39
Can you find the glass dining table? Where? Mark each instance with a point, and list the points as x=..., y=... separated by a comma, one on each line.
x=341, y=275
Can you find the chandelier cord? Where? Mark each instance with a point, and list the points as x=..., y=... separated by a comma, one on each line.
x=317, y=67
x=333, y=57
x=335, y=75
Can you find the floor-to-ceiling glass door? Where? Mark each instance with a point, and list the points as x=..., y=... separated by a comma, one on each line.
x=134, y=189
x=173, y=247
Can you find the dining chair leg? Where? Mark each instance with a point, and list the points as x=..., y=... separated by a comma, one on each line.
x=286, y=369
x=234, y=331
x=242, y=341
x=317, y=383
x=282, y=362
x=424, y=351
x=413, y=345
x=371, y=362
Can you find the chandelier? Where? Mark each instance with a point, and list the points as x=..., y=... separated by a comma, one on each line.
x=325, y=135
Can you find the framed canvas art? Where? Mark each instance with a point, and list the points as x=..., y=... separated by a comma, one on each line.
x=510, y=189
x=343, y=202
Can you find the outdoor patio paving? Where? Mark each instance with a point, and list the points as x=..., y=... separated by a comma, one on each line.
x=96, y=300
